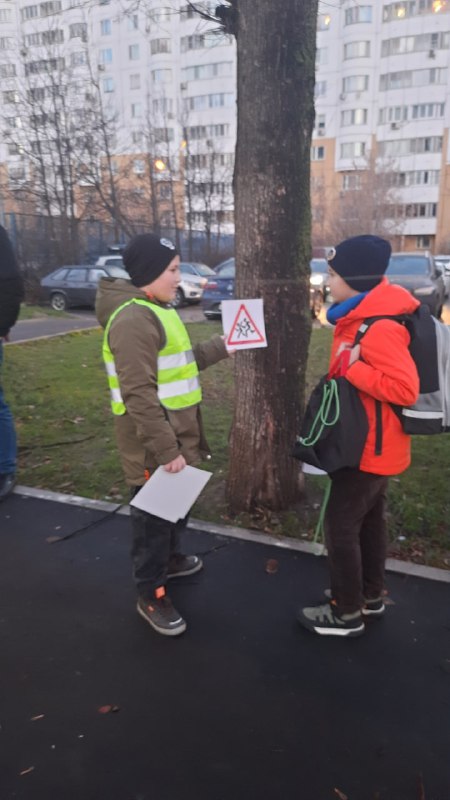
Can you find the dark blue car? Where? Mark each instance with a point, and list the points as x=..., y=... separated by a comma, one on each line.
x=221, y=287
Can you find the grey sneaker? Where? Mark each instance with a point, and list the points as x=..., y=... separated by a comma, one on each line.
x=180, y=565
x=371, y=608
x=161, y=615
x=326, y=622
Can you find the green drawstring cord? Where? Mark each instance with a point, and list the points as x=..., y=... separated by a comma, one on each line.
x=319, y=533
x=321, y=421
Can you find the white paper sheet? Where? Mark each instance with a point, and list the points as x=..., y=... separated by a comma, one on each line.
x=171, y=495
x=243, y=324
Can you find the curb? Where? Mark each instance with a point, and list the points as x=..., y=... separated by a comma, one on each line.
x=52, y=335
x=244, y=534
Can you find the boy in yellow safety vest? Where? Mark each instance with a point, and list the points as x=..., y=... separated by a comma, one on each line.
x=153, y=375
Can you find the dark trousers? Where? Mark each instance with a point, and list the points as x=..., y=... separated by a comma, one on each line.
x=154, y=540
x=356, y=537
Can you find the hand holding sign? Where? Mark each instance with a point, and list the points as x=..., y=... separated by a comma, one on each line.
x=243, y=324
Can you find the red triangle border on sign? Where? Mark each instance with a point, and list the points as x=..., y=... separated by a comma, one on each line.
x=244, y=341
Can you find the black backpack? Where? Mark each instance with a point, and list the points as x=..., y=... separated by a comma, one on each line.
x=334, y=428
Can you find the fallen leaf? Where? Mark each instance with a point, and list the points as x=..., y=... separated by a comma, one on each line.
x=271, y=566
x=340, y=794
x=26, y=771
x=52, y=539
x=38, y=716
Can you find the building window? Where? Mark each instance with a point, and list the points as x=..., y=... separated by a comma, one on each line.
x=406, y=147
x=358, y=14
x=161, y=75
x=136, y=110
x=164, y=134
x=322, y=55
x=78, y=31
x=353, y=149
x=320, y=89
x=135, y=81
x=133, y=52
x=318, y=153
x=428, y=111
x=409, y=78
x=52, y=37
x=7, y=70
x=105, y=27
x=323, y=22
x=106, y=56
x=6, y=43
x=160, y=46
x=424, y=42
x=45, y=9
x=133, y=22
x=187, y=12
x=393, y=114
x=205, y=101
x=29, y=12
x=410, y=8
x=207, y=71
x=163, y=105
x=138, y=166
x=356, y=50
x=354, y=116
x=200, y=40
x=355, y=83
x=108, y=85
x=78, y=59
x=5, y=15
x=351, y=182
x=423, y=242
x=10, y=97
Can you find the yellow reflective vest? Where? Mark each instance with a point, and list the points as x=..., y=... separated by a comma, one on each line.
x=178, y=378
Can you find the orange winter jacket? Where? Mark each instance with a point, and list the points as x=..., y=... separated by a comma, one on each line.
x=385, y=371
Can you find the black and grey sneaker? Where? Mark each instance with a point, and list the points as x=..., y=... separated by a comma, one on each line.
x=325, y=621
x=161, y=615
x=180, y=565
x=371, y=608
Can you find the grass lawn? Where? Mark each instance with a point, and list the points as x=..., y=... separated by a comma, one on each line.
x=58, y=391
x=37, y=312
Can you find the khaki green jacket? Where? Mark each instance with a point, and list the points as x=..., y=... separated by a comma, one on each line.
x=148, y=435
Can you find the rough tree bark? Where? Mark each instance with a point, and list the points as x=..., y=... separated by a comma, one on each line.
x=276, y=43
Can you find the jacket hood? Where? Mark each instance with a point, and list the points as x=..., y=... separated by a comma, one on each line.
x=384, y=300
x=112, y=293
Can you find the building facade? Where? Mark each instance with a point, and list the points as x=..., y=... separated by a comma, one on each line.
x=150, y=95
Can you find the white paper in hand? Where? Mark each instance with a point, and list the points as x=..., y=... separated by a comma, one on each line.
x=171, y=495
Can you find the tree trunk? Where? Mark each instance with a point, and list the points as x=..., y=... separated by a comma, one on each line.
x=276, y=44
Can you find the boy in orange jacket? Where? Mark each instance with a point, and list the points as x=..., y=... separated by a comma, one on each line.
x=383, y=371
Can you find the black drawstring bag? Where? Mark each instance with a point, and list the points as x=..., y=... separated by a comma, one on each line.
x=334, y=428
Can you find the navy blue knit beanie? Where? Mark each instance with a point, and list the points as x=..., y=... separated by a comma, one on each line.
x=361, y=261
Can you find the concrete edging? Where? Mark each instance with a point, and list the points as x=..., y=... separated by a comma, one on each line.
x=284, y=542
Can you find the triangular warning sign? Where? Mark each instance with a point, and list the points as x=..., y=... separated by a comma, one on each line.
x=243, y=330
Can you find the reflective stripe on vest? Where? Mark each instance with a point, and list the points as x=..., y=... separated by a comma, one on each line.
x=178, y=381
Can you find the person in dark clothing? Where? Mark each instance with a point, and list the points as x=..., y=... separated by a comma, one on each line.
x=11, y=295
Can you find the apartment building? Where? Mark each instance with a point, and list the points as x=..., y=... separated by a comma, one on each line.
x=382, y=119
x=166, y=82
x=150, y=90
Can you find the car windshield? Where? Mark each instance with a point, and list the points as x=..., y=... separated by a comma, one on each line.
x=319, y=265
x=408, y=265
x=118, y=272
x=227, y=272
x=204, y=270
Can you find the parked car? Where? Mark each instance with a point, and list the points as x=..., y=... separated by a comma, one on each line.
x=109, y=261
x=221, y=287
x=76, y=284
x=443, y=262
x=194, y=277
x=418, y=273
x=319, y=275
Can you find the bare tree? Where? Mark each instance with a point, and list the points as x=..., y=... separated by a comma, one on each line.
x=273, y=234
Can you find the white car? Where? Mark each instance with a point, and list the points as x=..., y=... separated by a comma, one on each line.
x=110, y=260
x=443, y=262
x=194, y=277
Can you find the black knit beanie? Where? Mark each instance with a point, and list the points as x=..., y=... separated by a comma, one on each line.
x=361, y=261
x=146, y=256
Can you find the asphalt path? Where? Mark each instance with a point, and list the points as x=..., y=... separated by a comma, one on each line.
x=29, y=329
